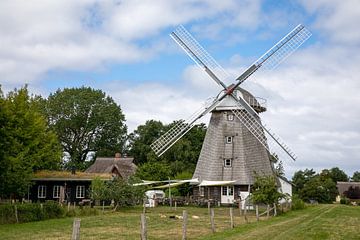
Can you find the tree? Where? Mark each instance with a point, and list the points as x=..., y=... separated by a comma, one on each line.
x=86, y=120
x=155, y=171
x=338, y=175
x=98, y=189
x=300, y=178
x=265, y=190
x=356, y=177
x=26, y=143
x=320, y=188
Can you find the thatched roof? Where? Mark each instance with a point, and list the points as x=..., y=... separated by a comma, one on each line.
x=344, y=186
x=65, y=175
x=122, y=166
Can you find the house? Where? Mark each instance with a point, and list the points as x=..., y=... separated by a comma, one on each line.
x=349, y=189
x=74, y=187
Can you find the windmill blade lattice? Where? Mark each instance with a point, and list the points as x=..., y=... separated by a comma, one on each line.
x=200, y=56
x=169, y=138
x=279, y=52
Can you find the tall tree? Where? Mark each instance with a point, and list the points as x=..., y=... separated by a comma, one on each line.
x=300, y=178
x=86, y=120
x=356, y=177
x=26, y=143
x=338, y=175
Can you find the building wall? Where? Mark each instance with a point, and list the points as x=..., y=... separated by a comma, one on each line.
x=69, y=189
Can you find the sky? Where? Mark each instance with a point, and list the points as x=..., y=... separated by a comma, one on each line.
x=123, y=48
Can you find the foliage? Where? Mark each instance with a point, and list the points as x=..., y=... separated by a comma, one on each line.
x=124, y=193
x=300, y=178
x=319, y=188
x=353, y=192
x=98, y=189
x=184, y=189
x=336, y=174
x=182, y=156
x=29, y=212
x=86, y=120
x=356, y=177
x=297, y=203
x=26, y=143
x=155, y=171
x=278, y=165
x=265, y=190
x=345, y=200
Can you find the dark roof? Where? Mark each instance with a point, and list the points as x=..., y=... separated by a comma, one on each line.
x=123, y=165
x=344, y=186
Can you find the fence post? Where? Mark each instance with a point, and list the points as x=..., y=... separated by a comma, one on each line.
x=209, y=207
x=175, y=205
x=240, y=207
x=275, y=211
x=245, y=212
x=68, y=206
x=184, y=224
x=257, y=212
x=231, y=218
x=143, y=235
x=16, y=214
x=76, y=229
x=267, y=211
x=212, y=220
x=103, y=206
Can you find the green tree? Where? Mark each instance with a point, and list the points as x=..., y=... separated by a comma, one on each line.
x=338, y=175
x=124, y=193
x=265, y=190
x=98, y=189
x=320, y=188
x=300, y=178
x=155, y=171
x=26, y=143
x=356, y=177
x=86, y=120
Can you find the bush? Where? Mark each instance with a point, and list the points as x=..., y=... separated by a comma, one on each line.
x=344, y=200
x=297, y=203
x=53, y=210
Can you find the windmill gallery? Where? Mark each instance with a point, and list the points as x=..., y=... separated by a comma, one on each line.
x=237, y=144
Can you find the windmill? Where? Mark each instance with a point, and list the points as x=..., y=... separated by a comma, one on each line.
x=237, y=143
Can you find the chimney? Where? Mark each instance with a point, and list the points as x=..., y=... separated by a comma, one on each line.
x=117, y=156
x=73, y=170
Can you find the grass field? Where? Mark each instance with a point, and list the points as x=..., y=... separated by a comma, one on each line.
x=318, y=222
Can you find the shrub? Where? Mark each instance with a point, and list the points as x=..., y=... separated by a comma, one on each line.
x=297, y=203
x=53, y=210
x=344, y=200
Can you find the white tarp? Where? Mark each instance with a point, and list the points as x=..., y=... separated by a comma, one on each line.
x=170, y=183
x=215, y=183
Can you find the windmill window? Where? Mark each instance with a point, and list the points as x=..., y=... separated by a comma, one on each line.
x=56, y=191
x=80, y=191
x=229, y=139
x=230, y=117
x=41, y=191
x=228, y=162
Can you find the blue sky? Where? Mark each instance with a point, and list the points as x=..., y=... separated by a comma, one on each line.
x=124, y=48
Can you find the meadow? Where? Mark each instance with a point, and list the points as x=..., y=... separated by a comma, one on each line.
x=315, y=222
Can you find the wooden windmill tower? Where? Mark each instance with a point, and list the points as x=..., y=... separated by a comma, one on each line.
x=237, y=143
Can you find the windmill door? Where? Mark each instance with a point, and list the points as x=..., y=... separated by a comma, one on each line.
x=227, y=194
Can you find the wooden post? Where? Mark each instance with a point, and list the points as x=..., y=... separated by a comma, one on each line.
x=240, y=207
x=267, y=211
x=184, y=224
x=175, y=205
x=68, y=206
x=245, y=212
x=209, y=204
x=212, y=220
x=231, y=218
x=103, y=206
x=143, y=234
x=41, y=206
x=74, y=205
x=275, y=211
x=257, y=212
x=76, y=229
x=16, y=214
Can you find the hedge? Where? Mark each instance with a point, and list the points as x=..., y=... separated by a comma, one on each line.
x=29, y=212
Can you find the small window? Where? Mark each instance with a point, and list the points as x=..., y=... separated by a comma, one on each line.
x=230, y=117
x=201, y=191
x=41, y=191
x=229, y=139
x=224, y=191
x=56, y=191
x=231, y=191
x=80, y=191
x=228, y=162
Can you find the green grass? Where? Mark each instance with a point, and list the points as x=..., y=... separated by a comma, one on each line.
x=318, y=222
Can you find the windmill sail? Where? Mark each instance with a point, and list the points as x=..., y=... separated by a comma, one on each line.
x=169, y=138
x=250, y=119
